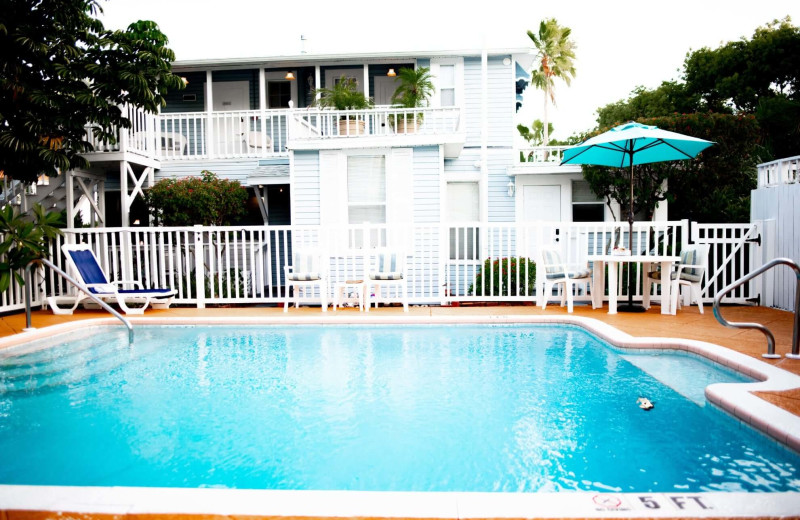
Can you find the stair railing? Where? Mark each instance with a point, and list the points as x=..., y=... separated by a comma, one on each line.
x=77, y=284
x=795, y=353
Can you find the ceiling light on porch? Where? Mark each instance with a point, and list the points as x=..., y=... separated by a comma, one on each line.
x=391, y=73
x=185, y=81
x=289, y=76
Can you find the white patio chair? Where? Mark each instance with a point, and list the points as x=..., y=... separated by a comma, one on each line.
x=552, y=271
x=688, y=273
x=84, y=265
x=309, y=269
x=385, y=269
x=254, y=143
x=173, y=144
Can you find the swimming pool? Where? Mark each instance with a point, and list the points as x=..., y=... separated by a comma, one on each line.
x=461, y=408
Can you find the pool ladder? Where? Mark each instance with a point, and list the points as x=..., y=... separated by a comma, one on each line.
x=77, y=284
x=795, y=354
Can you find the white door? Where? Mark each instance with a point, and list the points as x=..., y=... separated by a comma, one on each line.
x=384, y=89
x=230, y=129
x=541, y=203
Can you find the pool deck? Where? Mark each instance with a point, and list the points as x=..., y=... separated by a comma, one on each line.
x=687, y=324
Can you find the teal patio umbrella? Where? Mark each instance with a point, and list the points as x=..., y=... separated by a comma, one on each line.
x=627, y=145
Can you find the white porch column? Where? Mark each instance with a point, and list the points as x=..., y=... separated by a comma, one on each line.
x=366, y=80
x=317, y=81
x=124, y=197
x=70, y=199
x=209, y=110
x=262, y=105
x=483, y=185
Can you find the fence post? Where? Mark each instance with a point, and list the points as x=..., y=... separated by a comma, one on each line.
x=766, y=228
x=443, y=285
x=199, y=267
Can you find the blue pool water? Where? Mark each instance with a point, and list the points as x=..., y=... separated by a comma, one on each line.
x=458, y=408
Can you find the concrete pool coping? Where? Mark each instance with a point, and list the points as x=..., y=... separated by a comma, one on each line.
x=735, y=398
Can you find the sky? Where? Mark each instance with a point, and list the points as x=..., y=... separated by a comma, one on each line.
x=621, y=44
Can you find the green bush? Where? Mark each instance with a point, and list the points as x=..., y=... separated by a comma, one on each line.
x=206, y=200
x=496, y=277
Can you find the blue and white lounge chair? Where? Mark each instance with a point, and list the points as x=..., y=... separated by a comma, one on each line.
x=86, y=269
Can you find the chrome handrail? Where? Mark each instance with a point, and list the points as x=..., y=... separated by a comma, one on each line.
x=77, y=284
x=795, y=354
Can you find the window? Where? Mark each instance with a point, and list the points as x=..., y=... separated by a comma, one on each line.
x=463, y=206
x=279, y=93
x=447, y=85
x=366, y=196
x=586, y=207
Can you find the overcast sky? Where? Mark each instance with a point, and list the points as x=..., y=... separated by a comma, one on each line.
x=620, y=44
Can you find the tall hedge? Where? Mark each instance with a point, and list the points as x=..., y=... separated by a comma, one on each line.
x=206, y=200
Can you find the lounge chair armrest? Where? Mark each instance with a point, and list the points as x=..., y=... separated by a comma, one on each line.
x=136, y=284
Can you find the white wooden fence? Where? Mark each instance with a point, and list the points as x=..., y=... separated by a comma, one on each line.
x=240, y=265
x=776, y=202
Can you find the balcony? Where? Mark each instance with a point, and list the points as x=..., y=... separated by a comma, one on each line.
x=379, y=126
x=540, y=160
x=272, y=133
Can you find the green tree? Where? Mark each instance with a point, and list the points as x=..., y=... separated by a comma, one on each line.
x=61, y=70
x=758, y=76
x=669, y=98
x=535, y=134
x=555, y=53
x=415, y=88
x=25, y=238
x=206, y=200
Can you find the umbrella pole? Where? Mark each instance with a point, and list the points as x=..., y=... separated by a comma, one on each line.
x=630, y=307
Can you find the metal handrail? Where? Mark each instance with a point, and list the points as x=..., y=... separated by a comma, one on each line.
x=795, y=354
x=77, y=284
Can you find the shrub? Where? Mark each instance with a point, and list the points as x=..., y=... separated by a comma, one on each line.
x=206, y=200
x=496, y=277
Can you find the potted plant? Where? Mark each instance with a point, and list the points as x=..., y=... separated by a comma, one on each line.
x=414, y=91
x=345, y=96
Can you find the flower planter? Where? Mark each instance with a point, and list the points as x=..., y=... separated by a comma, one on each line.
x=351, y=127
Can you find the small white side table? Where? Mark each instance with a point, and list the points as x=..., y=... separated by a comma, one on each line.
x=341, y=289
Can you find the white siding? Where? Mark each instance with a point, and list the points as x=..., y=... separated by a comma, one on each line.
x=426, y=185
x=232, y=170
x=501, y=206
x=305, y=189
x=501, y=99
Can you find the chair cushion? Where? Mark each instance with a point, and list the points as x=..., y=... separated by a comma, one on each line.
x=689, y=257
x=302, y=277
x=553, y=264
x=583, y=273
x=374, y=275
x=656, y=275
x=87, y=266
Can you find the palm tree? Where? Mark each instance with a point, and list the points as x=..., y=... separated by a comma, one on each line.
x=556, y=55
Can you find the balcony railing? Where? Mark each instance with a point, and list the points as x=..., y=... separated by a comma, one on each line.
x=256, y=133
x=379, y=121
x=550, y=155
x=782, y=171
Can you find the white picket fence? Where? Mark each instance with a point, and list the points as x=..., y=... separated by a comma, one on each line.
x=241, y=265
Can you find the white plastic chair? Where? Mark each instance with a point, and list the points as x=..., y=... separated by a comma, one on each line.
x=688, y=273
x=385, y=269
x=309, y=269
x=254, y=143
x=552, y=270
